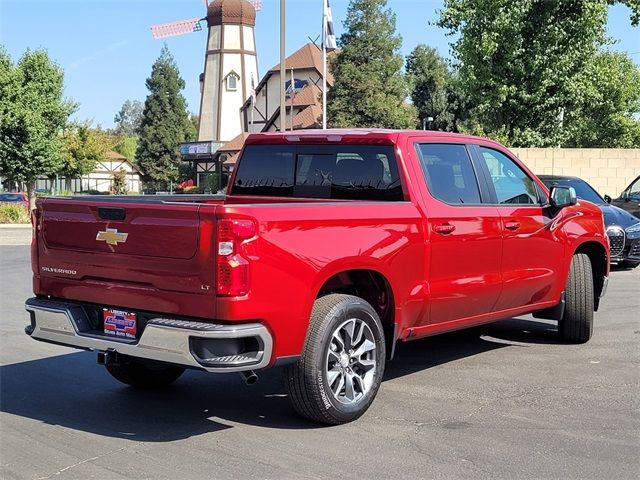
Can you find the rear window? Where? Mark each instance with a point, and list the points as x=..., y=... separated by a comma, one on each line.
x=347, y=172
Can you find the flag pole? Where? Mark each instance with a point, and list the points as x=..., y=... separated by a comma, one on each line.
x=293, y=93
x=324, y=65
x=283, y=111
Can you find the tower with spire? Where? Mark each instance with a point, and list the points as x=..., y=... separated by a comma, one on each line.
x=230, y=65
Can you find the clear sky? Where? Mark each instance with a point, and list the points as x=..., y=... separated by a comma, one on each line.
x=106, y=49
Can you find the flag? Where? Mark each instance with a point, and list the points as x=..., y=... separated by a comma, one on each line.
x=329, y=40
x=293, y=94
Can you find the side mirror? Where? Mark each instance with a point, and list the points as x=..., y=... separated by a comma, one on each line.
x=625, y=196
x=563, y=197
x=607, y=198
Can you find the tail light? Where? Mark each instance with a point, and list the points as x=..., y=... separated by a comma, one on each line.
x=233, y=269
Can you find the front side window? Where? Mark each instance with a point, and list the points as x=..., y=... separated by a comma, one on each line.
x=449, y=173
x=511, y=183
x=634, y=190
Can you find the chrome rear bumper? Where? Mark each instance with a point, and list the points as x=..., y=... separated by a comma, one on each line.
x=168, y=340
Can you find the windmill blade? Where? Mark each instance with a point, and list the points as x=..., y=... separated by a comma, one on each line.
x=179, y=27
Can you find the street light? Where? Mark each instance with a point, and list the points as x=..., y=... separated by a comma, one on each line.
x=425, y=121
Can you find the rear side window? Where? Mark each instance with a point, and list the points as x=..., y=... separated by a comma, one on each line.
x=511, y=183
x=449, y=173
x=358, y=172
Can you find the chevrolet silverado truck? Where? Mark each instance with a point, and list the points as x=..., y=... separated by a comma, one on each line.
x=328, y=248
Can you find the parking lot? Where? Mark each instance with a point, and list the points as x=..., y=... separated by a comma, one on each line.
x=499, y=401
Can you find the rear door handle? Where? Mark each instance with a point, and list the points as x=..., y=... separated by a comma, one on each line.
x=444, y=229
x=512, y=225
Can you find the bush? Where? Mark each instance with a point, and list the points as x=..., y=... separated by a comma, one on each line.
x=119, y=182
x=94, y=192
x=10, y=213
x=192, y=190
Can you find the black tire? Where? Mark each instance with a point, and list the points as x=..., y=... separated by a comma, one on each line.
x=576, y=325
x=629, y=264
x=307, y=380
x=141, y=374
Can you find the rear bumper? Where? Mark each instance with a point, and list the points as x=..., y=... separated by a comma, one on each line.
x=180, y=342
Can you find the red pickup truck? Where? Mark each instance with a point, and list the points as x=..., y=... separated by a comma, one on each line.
x=329, y=247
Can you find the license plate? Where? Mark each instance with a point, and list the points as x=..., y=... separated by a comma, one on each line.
x=119, y=323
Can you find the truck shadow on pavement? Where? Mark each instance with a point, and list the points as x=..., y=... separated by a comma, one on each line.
x=71, y=390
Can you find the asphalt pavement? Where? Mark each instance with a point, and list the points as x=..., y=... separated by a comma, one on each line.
x=503, y=401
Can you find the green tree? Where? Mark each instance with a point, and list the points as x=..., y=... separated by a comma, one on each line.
x=165, y=124
x=128, y=119
x=612, y=103
x=431, y=87
x=370, y=89
x=126, y=145
x=33, y=113
x=523, y=64
x=84, y=147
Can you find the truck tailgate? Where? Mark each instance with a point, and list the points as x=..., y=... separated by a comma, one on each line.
x=150, y=256
x=164, y=231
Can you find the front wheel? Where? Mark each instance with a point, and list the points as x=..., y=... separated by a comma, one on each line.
x=576, y=325
x=341, y=366
x=140, y=374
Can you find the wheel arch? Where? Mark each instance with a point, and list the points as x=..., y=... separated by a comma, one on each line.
x=372, y=286
x=599, y=258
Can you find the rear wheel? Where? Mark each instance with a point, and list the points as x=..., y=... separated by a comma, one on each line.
x=141, y=374
x=576, y=325
x=341, y=366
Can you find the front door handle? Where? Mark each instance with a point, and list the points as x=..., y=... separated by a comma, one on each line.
x=512, y=225
x=444, y=229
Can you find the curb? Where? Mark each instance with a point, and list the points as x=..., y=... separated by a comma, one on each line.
x=15, y=225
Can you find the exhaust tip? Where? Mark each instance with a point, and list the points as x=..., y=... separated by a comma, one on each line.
x=249, y=377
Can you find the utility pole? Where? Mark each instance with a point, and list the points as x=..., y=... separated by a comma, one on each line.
x=283, y=111
x=324, y=64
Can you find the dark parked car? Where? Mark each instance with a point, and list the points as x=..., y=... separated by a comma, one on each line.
x=629, y=199
x=18, y=197
x=623, y=228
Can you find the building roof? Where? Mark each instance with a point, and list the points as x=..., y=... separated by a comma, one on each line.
x=309, y=95
x=233, y=158
x=308, y=56
x=111, y=155
x=308, y=117
x=240, y=12
x=234, y=145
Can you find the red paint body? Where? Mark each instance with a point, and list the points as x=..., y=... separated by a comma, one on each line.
x=449, y=267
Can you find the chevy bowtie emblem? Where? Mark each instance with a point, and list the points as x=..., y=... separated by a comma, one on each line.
x=112, y=236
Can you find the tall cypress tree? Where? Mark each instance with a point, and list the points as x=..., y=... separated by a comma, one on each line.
x=370, y=88
x=165, y=124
